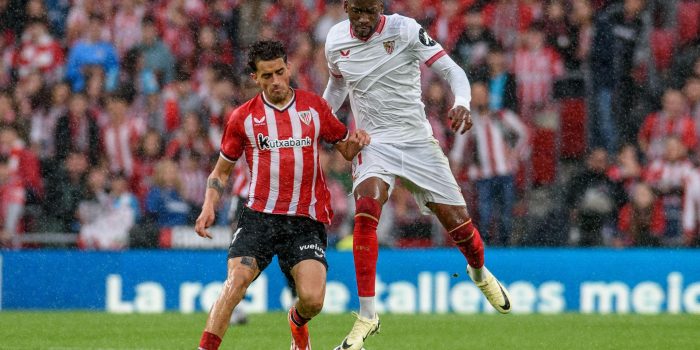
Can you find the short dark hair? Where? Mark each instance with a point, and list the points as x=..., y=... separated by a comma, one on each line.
x=265, y=50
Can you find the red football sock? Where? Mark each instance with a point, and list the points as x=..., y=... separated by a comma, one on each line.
x=364, y=244
x=468, y=240
x=209, y=341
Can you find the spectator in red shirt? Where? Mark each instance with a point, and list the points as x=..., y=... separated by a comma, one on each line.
x=641, y=221
x=449, y=24
x=178, y=33
x=210, y=50
x=536, y=68
x=119, y=136
x=692, y=93
x=284, y=15
x=191, y=139
x=127, y=25
x=668, y=177
x=506, y=19
x=12, y=198
x=672, y=120
x=39, y=52
x=23, y=163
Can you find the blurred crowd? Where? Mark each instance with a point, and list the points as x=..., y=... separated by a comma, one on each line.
x=586, y=116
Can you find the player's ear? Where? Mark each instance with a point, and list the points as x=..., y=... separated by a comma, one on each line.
x=254, y=76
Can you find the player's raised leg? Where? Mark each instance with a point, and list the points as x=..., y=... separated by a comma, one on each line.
x=310, y=280
x=370, y=196
x=241, y=273
x=458, y=223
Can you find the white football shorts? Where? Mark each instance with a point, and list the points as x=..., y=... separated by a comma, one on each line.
x=422, y=166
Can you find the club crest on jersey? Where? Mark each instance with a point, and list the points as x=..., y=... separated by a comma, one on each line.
x=305, y=116
x=389, y=46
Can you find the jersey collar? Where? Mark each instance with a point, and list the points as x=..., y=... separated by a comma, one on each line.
x=271, y=105
x=378, y=30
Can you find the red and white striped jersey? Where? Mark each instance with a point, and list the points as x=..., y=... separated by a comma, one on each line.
x=691, y=204
x=535, y=72
x=657, y=127
x=666, y=174
x=117, y=142
x=496, y=142
x=281, y=148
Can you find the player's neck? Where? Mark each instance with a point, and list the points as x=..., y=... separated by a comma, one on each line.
x=281, y=104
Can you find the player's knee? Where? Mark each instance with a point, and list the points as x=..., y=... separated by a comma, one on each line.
x=236, y=285
x=369, y=207
x=312, y=303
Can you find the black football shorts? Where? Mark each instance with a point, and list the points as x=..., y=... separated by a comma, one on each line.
x=292, y=238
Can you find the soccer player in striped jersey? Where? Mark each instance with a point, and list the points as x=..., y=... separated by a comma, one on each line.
x=279, y=132
x=375, y=59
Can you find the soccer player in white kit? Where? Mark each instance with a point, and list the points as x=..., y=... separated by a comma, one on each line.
x=375, y=59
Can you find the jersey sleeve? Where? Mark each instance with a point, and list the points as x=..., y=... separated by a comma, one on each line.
x=332, y=129
x=233, y=140
x=425, y=48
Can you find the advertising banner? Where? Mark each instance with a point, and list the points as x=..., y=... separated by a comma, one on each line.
x=409, y=281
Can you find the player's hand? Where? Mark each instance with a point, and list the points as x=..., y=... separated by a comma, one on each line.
x=461, y=119
x=357, y=140
x=204, y=221
x=360, y=137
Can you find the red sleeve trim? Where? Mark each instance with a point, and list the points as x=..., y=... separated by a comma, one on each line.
x=435, y=57
x=337, y=76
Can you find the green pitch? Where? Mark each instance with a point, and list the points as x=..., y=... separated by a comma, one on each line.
x=83, y=330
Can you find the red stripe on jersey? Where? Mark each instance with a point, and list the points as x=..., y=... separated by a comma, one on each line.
x=435, y=57
x=262, y=171
x=286, y=162
x=490, y=146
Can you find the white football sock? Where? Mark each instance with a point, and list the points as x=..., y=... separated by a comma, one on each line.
x=479, y=274
x=367, y=307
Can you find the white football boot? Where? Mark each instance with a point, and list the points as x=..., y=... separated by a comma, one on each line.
x=362, y=329
x=495, y=293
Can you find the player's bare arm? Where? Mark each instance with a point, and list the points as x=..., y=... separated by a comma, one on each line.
x=460, y=117
x=215, y=187
x=355, y=142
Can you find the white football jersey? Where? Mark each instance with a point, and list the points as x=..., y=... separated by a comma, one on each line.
x=382, y=75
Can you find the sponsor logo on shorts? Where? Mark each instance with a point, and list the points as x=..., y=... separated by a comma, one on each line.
x=318, y=250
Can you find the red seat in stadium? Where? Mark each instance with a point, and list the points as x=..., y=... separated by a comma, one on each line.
x=688, y=21
x=662, y=45
x=573, y=127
